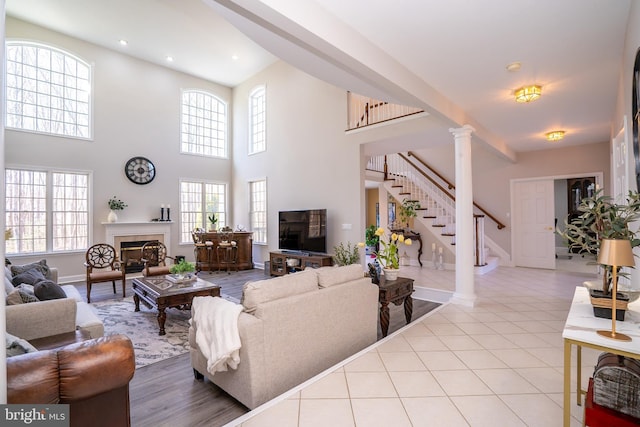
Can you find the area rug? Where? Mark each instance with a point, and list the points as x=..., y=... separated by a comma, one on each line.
x=142, y=329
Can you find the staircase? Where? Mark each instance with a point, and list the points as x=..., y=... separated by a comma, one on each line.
x=404, y=180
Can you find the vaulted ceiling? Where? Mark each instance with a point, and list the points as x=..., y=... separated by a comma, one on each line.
x=449, y=57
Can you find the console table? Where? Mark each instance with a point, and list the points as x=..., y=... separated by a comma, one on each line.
x=397, y=292
x=206, y=255
x=581, y=330
x=282, y=263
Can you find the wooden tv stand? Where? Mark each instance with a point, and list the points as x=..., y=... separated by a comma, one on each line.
x=279, y=266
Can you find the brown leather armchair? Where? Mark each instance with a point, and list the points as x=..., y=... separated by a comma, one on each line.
x=91, y=376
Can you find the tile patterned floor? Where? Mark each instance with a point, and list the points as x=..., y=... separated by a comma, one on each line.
x=498, y=363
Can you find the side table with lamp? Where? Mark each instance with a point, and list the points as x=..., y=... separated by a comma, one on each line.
x=583, y=329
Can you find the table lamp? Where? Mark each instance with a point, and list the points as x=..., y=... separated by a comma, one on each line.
x=616, y=253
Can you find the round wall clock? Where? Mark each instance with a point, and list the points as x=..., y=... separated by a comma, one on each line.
x=140, y=170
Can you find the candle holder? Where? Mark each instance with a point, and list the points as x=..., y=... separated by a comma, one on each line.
x=161, y=213
x=434, y=260
x=440, y=262
x=168, y=214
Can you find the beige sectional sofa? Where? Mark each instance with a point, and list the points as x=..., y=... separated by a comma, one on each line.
x=294, y=327
x=52, y=317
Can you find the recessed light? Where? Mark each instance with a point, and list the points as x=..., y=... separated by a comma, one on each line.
x=235, y=57
x=514, y=66
x=123, y=42
x=169, y=58
x=555, y=135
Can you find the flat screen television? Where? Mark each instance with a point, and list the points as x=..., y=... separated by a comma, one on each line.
x=303, y=230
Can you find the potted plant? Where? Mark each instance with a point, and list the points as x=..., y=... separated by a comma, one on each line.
x=371, y=240
x=408, y=210
x=213, y=220
x=388, y=255
x=601, y=218
x=115, y=204
x=346, y=255
x=182, y=269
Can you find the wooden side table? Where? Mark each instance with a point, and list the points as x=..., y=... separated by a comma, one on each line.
x=397, y=292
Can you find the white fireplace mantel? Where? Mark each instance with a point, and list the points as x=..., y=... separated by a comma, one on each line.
x=124, y=229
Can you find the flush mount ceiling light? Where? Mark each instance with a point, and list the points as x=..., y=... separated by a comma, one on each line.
x=555, y=135
x=528, y=93
x=123, y=42
x=514, y=66
x=169, y=58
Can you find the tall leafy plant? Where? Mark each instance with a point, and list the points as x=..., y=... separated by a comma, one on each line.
x=601, y=218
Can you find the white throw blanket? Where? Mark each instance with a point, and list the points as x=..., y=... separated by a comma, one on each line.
x=216, y=323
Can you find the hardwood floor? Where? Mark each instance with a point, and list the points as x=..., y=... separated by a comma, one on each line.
x=166, y=392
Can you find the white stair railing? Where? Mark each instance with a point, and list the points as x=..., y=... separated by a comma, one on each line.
x=436, y=204
x=365, y=111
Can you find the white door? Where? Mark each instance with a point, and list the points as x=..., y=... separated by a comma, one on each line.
x=533, y=224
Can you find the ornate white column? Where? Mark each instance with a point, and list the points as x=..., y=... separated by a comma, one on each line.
x=465, y=288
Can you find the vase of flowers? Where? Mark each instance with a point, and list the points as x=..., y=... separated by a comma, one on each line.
x=115, y=204
x=388, y=255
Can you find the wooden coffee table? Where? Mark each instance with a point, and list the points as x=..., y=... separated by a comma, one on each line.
x=397, y=292
x=162, y=293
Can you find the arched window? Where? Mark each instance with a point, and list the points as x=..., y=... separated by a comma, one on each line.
x=48, y=90
x=258, y=120
x=204, y=124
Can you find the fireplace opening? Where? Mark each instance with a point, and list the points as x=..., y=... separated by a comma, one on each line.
x=131, y=255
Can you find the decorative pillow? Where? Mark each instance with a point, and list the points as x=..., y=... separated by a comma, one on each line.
x=47, y=289
x=7, y=273
x=256, y=293
x=14, y=298
x=27, y=293
x=329, y=276
x=27, y=298
x=30, y=277
x=16, y=346
x=40, y=265
x=8, y=286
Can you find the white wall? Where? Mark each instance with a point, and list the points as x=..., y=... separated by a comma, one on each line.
x=623, y=104
x=136, y=107
x=308, y=163
x=492, y=175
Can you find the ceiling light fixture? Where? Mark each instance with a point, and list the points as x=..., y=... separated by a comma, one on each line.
x=123, y=42
x=235, y=57
x=169, y=58
x=514, y=66
x=555, y=135
x=528, y=93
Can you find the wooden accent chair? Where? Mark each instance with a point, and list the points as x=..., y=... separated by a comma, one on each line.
x=101, y=262
x=154, y=255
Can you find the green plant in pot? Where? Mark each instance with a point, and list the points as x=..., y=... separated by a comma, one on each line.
x=346, y=254
x=213, y=220
x=601, y=218
x=408, y=209
x=371, y=240
x=182, y=268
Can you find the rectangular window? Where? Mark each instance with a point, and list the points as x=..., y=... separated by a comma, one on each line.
x=258, y=210
x=46, y=211
x=258, y=120
x=198, y=200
